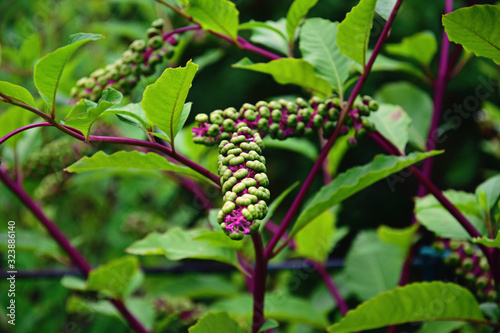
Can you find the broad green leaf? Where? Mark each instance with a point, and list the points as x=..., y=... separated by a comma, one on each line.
x=434, y=301
x=491, y=189
x=219, y=239
x=318, y=44
x=163, y=101
x=315, y=240
x=477, y=29
x=184, y=115
x=441, y=326
x=143, y=310
x=270, y=34
x=275, y=204
x=18, y=92
x=215, y=322
x=402, y=238
x=279, y=306
x=488, y=242
x=269, y=324
x=354, y=180
x=193, y=286
x=421, y=47
x=30, y=50
x=49, y=69
x=384, y=8
x=127, y=160
x=354, y=31
x=74, y=282
x=177, y=244
x=34, y=242
x=85, y=112
x=383, y=63
x=132, y=112
x=393, y=123
x=304, y=147
x=372, y=266
x=290, y=71
x=435, y=218
x=219, y=16
x=113, y=277
x=415, y=102
x=297, y=11
x=338, y=152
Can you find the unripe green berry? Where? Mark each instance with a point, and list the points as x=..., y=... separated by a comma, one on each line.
x=317, y=121
x=228, y=125
x=228, y=207
x=213, y=130
x=276, y=116
x=274, y=105
x=292, y=120
x=248, y=106
x=301, y=102
x=158, y=23
x=155, y=42
x=250, y=115
x=201, y=118
x=138, y=45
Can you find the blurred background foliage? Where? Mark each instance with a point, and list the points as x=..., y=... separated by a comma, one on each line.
x=104, y=212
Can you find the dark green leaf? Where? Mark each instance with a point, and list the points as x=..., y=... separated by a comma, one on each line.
x=491, y=190
x=354, y=31
x=215, y=322
x=441, y=326
x=290, y=71
x=414, y=302
x=297, y=11
x=318, y=44
x=215, y=15
x=163, y=101
x=476, y=28
x=114, y=277
x=421, y=47
x=354, y=180
x=49, y=69
x=393, y=123
x=132, y=112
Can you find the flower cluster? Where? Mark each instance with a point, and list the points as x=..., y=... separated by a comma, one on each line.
x=471, y=264
x=282, y=119
x=140, y=59
x=244, y=183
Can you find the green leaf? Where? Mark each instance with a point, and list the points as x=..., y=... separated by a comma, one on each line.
x=269, y=324
x=34, y=242
x=488, y=242
x=304, y=147
x=114, y=277
x=393, y=123
x=290, y=71
x=49, y=69
x=430, y=213
x=491, y=189
x=318, y=44
x=85, y=112
x=383, y=63
x=414, y=302
x=384, y=8
x=421, y=47
x=476, y=28
x=354, y=31
x=11, y=120
x=132, y=112
x=338, y=152
x=297, y=11
x=219, y=239
x=143, y=310
x=18, y=93
x=219, y=16
x=177, y=244
x=416, y=103
x=372, y=266
x=215, y=322
x=441, y=326
x=30, y=50
x=354, y=180
x=194, y=286
x=402, y=238
x=315, y=241
x=127, y=160
x=275, y=204
x=270, y=34
x=73, y=282
x=163, y=101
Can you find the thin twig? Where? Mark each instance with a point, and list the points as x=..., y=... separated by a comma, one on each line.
x=259, y=279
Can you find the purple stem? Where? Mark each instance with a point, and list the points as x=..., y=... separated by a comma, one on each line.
x=330, y=284
x=329, y=144
x=259, y=280
x=76, y=258
x=180, y=30
x=246, y=45
x=21, y=129
x=439, y=93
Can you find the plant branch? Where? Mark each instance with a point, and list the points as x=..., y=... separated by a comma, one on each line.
x=331, y=286
x=22, y=129
x=76, y=258
x=259, y=280
x=329, y=144
x=439, y=94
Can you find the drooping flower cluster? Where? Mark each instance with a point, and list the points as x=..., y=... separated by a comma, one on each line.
x=139, y=60
x=282, y=119
x=244, y=183
x=471, y=264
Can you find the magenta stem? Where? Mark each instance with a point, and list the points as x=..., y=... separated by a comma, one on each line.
x=180, y=30
x=259, y=279
x=246, y=45
x=329, y=144
x=439, y=93
x=76, y=258
x=22, y=129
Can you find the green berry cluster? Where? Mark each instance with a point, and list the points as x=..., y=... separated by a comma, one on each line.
x=139, y=60
x=244, y=182
x=283, y=119
x=470, y=264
